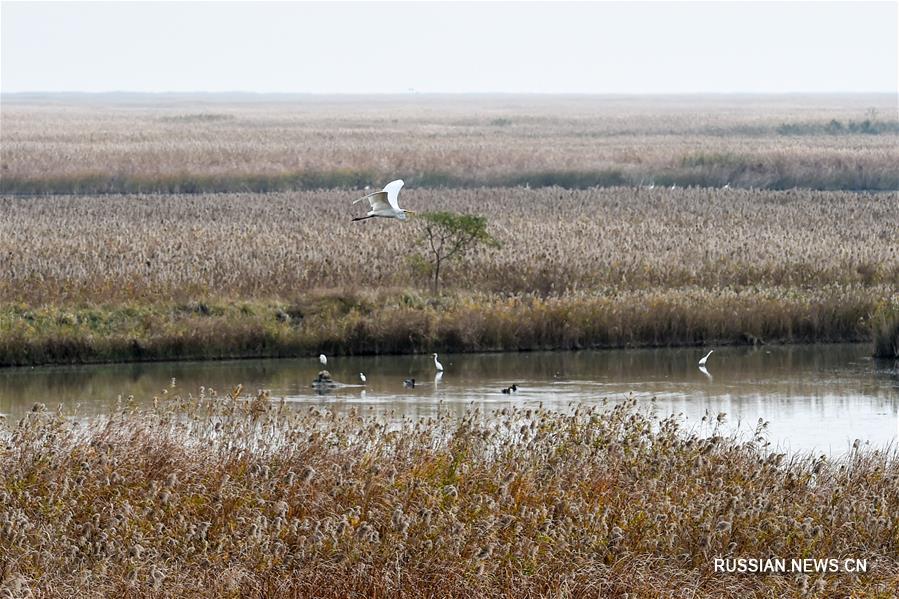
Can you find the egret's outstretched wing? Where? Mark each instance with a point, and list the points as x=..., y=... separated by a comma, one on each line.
x=377, y=200
x=392, y=190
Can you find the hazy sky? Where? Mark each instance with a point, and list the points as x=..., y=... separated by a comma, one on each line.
x=606, y=47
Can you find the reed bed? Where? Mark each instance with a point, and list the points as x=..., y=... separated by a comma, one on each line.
x=627, y=260
x=237, y=275
x=171, y=143
x=555, y=241
x=886, y=334
x=224, y=494
x=406, y=322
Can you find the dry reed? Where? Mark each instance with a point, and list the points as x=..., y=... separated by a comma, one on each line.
x=216, y=143
x=219, y=494
x=119, y=248
x=143, y=276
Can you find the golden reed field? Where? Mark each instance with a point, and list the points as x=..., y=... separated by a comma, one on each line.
x=116, y=277
x=212, y=226
x=242, y=496
x=554, y=241
x=219, y=142
x=175, y=227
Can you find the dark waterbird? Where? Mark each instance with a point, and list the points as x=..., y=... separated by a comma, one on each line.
x=323, y=382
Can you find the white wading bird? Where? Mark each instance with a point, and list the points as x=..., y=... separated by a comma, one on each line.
x=384, y=203
x=323, y=359
x=437, y=364
x=704, y=358
x=362, y=377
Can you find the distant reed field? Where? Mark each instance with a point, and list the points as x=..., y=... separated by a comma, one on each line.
x=182, y=143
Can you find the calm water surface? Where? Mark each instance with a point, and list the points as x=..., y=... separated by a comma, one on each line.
x=816, y=397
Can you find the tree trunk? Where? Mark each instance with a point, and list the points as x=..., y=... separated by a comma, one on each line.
x=437, y=276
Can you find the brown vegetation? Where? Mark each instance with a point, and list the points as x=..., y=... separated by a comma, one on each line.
x=224, y=495
x=212, y=276
x=109, y=143
x=554, y=241
x=407, y=322
x=886, y=334
x=118, y=276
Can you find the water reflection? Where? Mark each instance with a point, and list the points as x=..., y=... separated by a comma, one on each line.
x=816, y=397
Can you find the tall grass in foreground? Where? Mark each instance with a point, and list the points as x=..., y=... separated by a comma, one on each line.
x=228, y=495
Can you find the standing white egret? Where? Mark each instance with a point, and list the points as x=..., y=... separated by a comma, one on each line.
x=323, y=359
x=705, y=357
x=437, y=364
x=384, y=203
x=362, y=377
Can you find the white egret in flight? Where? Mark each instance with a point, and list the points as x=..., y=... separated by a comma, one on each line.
x=323, y=359
x=705, y=357
x=437, y=364
x=384, y=203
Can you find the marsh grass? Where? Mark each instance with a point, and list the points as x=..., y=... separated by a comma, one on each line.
x=174, y=144
x=104, y=249
x=886, y=334
x=223, y=494
x=869, y=126
x=139, y=277
x=597, y=250
x=396, y=321
x=195, y=183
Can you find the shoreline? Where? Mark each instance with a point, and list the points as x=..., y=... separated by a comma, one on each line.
x=248, y=358
x=389, y=324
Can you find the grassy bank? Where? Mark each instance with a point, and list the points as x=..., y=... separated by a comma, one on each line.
x=886, y=334
x=408, y=322
x=241, y=496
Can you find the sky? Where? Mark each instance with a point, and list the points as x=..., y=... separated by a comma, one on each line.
x=506, y=47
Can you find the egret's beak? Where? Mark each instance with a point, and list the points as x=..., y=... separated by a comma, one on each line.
x=409, y=211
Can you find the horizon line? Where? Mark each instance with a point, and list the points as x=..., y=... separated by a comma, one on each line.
x=450, y=93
